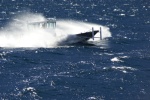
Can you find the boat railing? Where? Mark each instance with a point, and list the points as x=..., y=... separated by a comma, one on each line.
x=50, y=23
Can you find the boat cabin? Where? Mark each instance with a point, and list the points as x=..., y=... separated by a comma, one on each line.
x=50, y=23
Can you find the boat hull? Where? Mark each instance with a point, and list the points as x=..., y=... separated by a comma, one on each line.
x=78, y=38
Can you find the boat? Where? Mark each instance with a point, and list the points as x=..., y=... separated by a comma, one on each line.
x=50, y=23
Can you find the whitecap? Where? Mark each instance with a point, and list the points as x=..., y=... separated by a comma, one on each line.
x=108, y=54
x=116, y=59
x=91, y=98
x=122, y=14
x=124, y=56
x=124, y=69
x=30, y=89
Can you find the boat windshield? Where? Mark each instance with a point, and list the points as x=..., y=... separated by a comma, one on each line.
x=48, y=24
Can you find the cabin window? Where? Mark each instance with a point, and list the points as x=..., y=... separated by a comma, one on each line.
x=50, y=25
x=47, y=24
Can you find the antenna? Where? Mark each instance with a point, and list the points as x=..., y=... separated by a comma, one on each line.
x=93, y=33
x=100, y=31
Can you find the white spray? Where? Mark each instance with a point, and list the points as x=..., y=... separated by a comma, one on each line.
x=19, y=35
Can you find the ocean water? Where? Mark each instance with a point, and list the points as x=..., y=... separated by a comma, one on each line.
x=34, y=67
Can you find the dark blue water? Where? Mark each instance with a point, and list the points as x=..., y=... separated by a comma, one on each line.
x=118, y=68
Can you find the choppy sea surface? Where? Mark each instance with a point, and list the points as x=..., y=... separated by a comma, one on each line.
x=33, y=67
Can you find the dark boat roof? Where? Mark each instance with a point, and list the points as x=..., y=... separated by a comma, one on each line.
x=87, y=34
x=48, y=20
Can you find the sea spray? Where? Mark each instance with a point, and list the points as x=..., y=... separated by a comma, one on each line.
x=75, y=27
x=18, y=35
